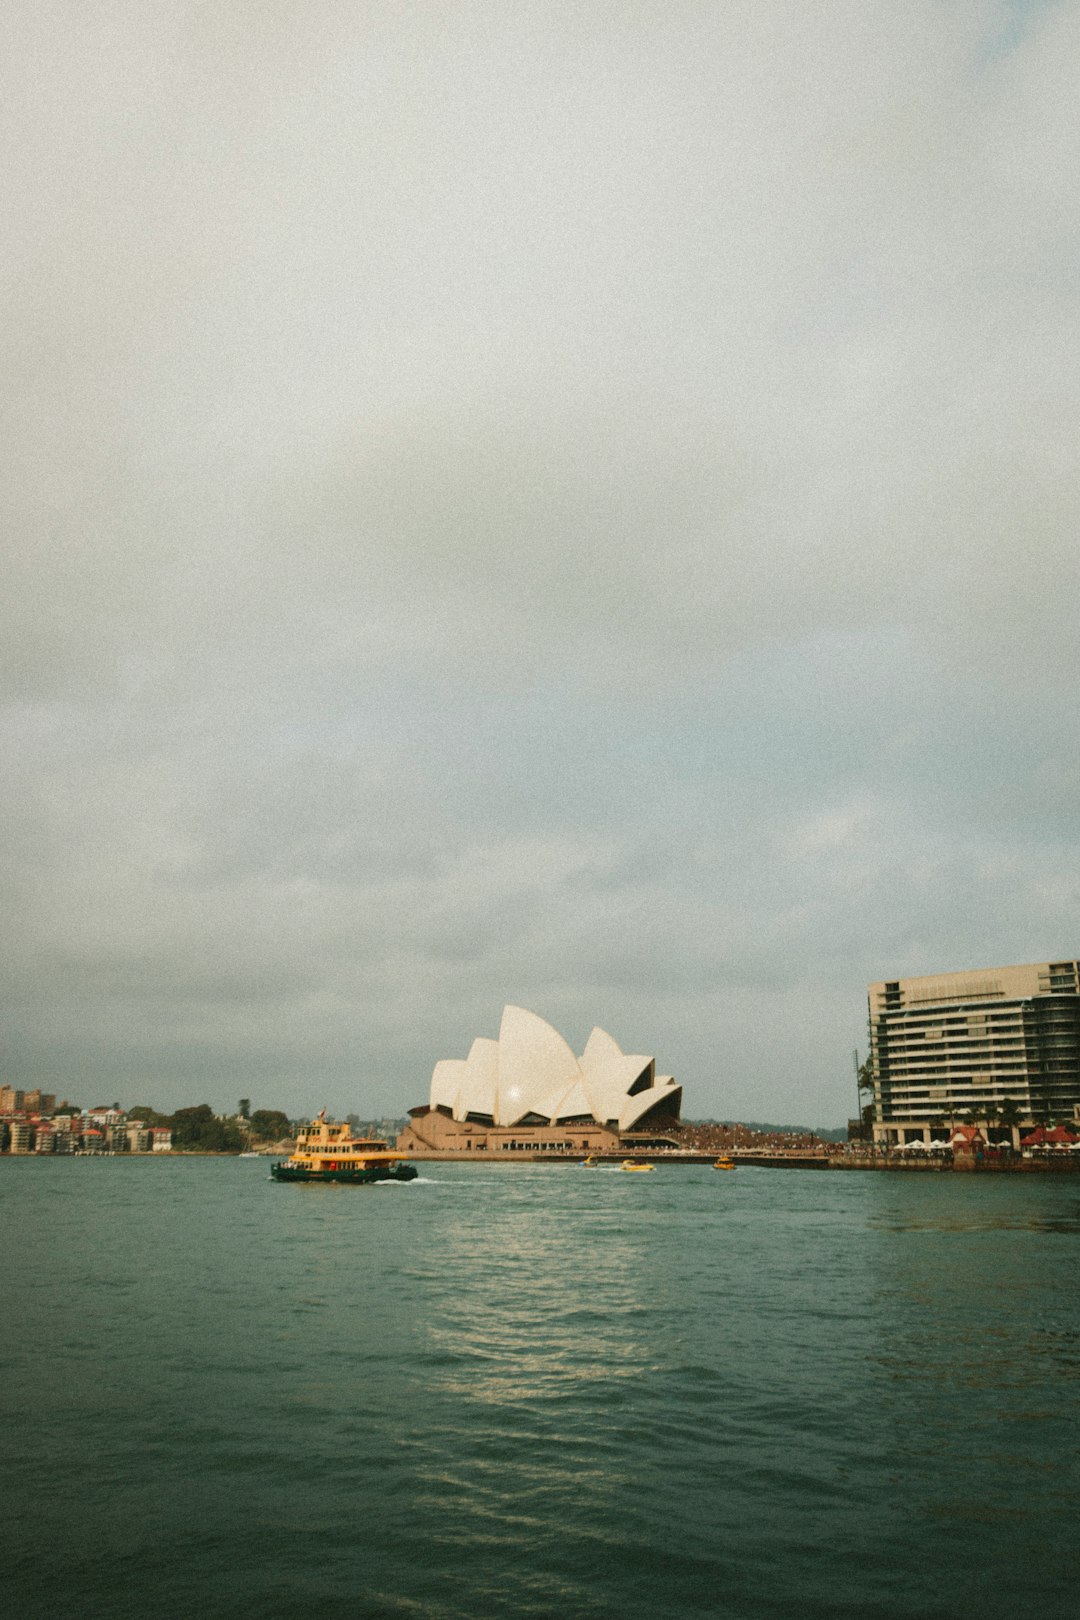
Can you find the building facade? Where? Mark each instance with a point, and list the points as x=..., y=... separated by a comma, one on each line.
x=1000, y=1046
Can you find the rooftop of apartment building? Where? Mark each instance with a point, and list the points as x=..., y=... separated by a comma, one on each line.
x=1019, y=982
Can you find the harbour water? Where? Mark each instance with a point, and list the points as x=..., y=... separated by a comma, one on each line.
x=537, y=1392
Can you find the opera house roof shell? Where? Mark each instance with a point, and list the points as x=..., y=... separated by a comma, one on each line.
x=530, y=1076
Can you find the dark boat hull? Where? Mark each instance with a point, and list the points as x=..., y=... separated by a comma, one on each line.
x=354, y=1175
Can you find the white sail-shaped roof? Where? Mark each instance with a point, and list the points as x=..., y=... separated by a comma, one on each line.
x=446, y=1082
x=482, y=1078
x=531, y=1070
x=609, y=1074
x=637, y=1106
x=574, y=1104
x=536, y=1066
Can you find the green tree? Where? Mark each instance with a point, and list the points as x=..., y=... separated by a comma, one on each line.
x=199, y=1129
x=269, y=1125
x=245, y=1108
x=148, y=1115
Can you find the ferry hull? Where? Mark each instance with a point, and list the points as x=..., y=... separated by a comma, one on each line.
x=355, y=1175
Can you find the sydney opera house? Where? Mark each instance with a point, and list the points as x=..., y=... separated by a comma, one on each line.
x=527, y=1092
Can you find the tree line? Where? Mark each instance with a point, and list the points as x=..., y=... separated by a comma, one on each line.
x=199, y=1128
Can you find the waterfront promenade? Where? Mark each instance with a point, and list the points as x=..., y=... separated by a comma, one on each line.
x=833, y=1156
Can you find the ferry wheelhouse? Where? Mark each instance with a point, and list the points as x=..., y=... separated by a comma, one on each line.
x=326, y=1151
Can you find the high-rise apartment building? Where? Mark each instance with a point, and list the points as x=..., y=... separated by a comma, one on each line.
x=999, y=1044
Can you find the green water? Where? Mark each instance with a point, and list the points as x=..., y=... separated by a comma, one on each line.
x=535, y=1392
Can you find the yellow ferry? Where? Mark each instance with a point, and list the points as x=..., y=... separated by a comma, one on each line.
x=329, y=1152
x=724, y=1162
x=635, y=1164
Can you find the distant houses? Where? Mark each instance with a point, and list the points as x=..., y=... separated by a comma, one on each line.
x=33, y=1122
x=30, y=1122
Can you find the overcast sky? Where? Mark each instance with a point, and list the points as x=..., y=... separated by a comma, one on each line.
x=571, y=504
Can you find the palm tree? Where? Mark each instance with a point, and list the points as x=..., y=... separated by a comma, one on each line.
x=1009, y=1114
x=864, y=1076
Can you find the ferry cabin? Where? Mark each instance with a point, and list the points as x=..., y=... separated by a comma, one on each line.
x=325, y=1146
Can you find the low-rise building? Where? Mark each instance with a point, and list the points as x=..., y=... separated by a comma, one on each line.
x=103, y=1116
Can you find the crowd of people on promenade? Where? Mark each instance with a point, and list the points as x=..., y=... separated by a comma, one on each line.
x=709, y=1137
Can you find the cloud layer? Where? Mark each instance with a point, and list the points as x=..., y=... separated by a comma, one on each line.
x=572, y=506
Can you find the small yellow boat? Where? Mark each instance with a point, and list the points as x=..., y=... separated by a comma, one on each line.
x=724, y=1162
x=636, y=1164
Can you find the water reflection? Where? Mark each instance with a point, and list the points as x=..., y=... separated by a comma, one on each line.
x=528, y=1317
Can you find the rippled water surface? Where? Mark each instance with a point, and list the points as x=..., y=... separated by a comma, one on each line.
x=537, y=1392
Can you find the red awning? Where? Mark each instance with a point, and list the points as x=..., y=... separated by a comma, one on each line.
x=1039, y=1136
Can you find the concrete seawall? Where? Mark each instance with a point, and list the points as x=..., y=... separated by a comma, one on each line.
x=1064, y=1164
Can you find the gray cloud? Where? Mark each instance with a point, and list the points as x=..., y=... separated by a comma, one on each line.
x=574, y=507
